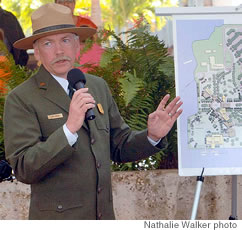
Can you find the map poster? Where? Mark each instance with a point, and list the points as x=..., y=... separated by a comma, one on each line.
x=208, y=69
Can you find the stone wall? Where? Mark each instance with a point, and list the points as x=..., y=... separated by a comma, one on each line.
x=158, y=194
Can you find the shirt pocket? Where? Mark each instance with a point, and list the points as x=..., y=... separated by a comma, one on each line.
x=102, y=124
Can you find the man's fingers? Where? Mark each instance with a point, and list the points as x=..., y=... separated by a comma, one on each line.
x=176, y=115
x=84, y=96
x=163, y=102
x=173, y=105
x=79, y=93
x=152, y=116
x=79, y=104
x=175, y=108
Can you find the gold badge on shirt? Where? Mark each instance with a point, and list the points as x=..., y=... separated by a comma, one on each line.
x=55, y=116
x=100, y=108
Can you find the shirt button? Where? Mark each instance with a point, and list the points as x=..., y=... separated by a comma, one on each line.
x=59, y=206
x=100, y=215
x=99, y=190
x=98, y=165
x=92, y=141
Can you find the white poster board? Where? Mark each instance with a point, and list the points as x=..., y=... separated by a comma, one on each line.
x=208, y=71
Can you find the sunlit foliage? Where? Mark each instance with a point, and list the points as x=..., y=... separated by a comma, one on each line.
x=116, y=14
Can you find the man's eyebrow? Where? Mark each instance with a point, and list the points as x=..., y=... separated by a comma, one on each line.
x=46, y=40
x=67, y=36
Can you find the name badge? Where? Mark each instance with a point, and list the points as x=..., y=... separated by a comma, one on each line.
x=55, y=116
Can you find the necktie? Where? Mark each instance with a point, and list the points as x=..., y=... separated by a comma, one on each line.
x=71, y=91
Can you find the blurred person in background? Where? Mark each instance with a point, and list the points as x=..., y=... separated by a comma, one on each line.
x=5, y=69
x=93, y=55
x=78, y=20
x=12, y=32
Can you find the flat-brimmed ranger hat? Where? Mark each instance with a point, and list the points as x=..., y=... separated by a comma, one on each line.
x=51, y=19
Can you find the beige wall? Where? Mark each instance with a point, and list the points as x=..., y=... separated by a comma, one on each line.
x=158, y=194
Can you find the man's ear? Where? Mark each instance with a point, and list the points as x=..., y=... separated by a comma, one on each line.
x=78, y=47
x=36, y=53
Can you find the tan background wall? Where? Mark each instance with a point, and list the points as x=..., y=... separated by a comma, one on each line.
x=158, y=194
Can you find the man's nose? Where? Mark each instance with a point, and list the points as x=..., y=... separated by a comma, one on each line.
x=59, y=48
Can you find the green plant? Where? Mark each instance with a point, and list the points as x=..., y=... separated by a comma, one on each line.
x=17, y=74
x=139, y=74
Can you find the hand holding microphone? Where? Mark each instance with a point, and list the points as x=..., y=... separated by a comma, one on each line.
x=82, y=102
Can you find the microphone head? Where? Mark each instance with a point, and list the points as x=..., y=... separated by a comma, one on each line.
x=74, y=76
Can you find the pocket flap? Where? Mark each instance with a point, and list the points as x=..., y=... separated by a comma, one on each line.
x=59, y=206
x=101, y=125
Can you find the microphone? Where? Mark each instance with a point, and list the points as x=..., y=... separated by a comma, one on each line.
x=77, y=80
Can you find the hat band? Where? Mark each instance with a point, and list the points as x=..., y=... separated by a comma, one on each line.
x=50, y=28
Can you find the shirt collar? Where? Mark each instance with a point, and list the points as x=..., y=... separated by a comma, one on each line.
x=63, y=82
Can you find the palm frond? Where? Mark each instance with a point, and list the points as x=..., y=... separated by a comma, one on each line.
x=131, y=85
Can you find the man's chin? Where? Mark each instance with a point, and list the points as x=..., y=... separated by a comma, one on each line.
x=62, y=72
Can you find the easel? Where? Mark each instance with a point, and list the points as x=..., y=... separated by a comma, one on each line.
x=234, y=199
x=200, y=180
x=174, y=11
